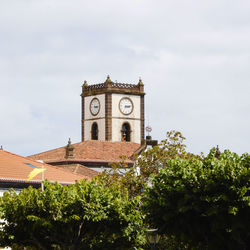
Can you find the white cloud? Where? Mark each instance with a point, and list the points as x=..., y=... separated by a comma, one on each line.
x=193, y=57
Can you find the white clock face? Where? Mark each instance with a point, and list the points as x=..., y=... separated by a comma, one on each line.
x=126, y=106
x=95, y=106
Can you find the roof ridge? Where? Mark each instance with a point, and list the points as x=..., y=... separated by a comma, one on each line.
x=84, y=142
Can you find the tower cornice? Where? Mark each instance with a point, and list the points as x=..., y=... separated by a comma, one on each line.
x=113, y=87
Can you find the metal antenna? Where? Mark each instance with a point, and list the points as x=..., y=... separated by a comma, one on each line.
x=148, y=128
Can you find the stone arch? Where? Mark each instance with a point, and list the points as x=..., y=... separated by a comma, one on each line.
x=126, y=132
x=94, y=131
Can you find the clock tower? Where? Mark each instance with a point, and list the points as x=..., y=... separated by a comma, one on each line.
x=113, y=111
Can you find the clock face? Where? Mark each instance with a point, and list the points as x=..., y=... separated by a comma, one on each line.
x=126, y=106
x=95, y=106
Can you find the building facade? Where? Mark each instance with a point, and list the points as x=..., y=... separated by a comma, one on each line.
x=112, y=129
x=113, y=112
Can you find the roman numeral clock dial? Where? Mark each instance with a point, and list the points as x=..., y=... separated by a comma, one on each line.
x=126, y=106
x=95, y=106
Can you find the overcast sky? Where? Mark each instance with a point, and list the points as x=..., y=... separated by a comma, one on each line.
x=193, y=57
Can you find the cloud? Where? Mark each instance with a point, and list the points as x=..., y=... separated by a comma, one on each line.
x=193, y=57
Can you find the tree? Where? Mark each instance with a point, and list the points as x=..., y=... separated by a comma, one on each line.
x=203, y=202
x=87, y=215
x=148, y=162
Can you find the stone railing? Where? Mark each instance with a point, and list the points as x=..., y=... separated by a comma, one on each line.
x=112, y=85
x=96, y=86
x=124, y=85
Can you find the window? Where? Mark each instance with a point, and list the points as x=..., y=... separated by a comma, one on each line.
x=94, y=131
x=126, y=132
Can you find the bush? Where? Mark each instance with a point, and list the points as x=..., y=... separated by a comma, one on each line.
x=203, y=203
x=88, y=215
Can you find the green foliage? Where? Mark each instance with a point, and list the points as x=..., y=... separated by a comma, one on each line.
x=203, y=202
x=88, y=215
x=196, y=202
x=148, y=163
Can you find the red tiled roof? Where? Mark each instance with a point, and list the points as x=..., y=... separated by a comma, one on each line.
x=79, y=169
x=15, y=168
x=92, y=151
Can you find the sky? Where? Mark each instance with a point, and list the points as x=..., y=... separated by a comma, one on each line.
x=193, y=57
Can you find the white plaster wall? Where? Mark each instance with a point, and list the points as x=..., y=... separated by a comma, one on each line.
x=87, y=100
x=6, y=190
x=99, y=118
x=115, y=106
x=118, y=118
x=101, y=129
x=135, y=129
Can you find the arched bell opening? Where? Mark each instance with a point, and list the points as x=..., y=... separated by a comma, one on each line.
x=94, y=131
x=126, y=132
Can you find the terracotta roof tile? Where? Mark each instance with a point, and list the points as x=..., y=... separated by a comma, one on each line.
x=16, y=168
x=99, y=151
x=79, y=169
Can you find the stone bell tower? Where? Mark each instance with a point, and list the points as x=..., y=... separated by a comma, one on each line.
x=113, y=111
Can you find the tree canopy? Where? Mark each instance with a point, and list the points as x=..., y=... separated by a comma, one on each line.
x=88, y=215
x=147, y=163
x=203, y=202
x=196, y=202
